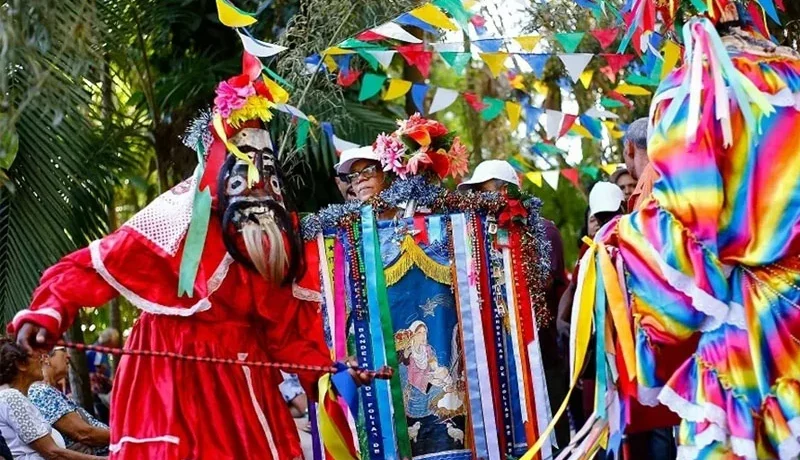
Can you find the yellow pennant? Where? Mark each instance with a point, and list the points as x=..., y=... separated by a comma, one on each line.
x=231, y=16
x=581, y=131
x=429, y=14
x=518, y=82
x=397, y=87
x=330, y=63
x=252, y=172
x=336, y=51
x=280, y=95
x=612, y=129
x=586, y=78
x=535, y=177
x=528, y=42
x=513, y=110
x=496, y=62
x=672, y=53
x=631, y=90
x=540, y=88
x=609, y=168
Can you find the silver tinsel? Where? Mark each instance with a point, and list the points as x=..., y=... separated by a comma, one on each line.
x=199, y=131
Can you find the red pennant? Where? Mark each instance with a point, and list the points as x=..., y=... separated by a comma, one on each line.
x=566, y=124
x=779, y=4
x=347, y=78
x=572, y=175
x=619, y=97
x=421, y=236
x=609, y=73
x=417, y=56
x=605, y=36
x=617, y=61
x=369, y=36
x=251, y=66
x=478, y=21
x=758, y=19
x=474, y=101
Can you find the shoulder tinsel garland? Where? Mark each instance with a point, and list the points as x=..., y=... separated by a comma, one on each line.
x=198, y=131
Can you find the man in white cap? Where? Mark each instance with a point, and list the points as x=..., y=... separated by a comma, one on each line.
x=361, y=169
x=605, y=201
x=499, y=175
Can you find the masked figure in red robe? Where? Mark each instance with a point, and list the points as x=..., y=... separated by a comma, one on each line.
x=247, y=298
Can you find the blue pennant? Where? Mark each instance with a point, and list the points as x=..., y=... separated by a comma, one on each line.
x=408, y=20
x=489, y=45
x=418, y=93
x=532, y=115
x=537, y=62
x=593, y=126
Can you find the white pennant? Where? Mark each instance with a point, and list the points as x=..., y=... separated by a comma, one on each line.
x=552, y=123
x=383, y=57
x=442, y=99
x=291, y=110
x=575, y=63
x=594, y=112
x=392, y=30
x=341, y=145
x=551, y=177
x=444, y=47
x=258, y=47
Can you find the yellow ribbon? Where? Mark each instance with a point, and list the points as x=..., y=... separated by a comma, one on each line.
x=252, y=172
x=619, y=311
x=331, y=437
x=583, y=334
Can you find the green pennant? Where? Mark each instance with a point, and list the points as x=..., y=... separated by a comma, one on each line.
x=457, y=61
x=493, y=108
x=641, y=80
x=277, y=78
x=456, y=10
x=371, y=85
x=303, y=127
x=570, y=41
x=352, y=43
x=549, y=149
x=591, y=171
x=700, y=5
x=611, y=103
x=371, y=60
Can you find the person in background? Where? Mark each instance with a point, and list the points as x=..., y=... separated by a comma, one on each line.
x=99, y=365
x=638, y=163
x=26, y=433
x=362, y=169
x=500, y=176
x=81, y=431
x=623, y=179
x=345, y=187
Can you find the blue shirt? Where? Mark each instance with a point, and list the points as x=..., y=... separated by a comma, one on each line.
x=53, y=405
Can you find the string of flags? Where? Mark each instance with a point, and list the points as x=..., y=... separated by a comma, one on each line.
x=551, y=177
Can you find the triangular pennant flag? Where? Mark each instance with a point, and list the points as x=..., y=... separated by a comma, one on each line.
x=759, y=19
x=586, y=78
x=448, y=47
x=575, y=63
x=291, y=110
x=456, y=60
x=336, y=51
x=572, y=175
x=356, y=44
x=579, y=130
x=551, y=177
x=605, y=36
x=528, y=42
x=495, y=62
x=535, y=177
x=370, y=85
x=418, y=92
x=592, y=126
x=370, y=36
x=397, y=88
x=612, y=130
x=769, y=8
x=383, y=57
x=343, y=61
x=609, y=73
x=373, y=63
x=407, y=20
x=231, y=16
x=566, y=124
x=259, y=48
x=303, y=127
x=345, y=79
x=641, y=80
x=537, y=63
x=532, y=116
x=456, y=9
x=493, y=108
x=552, y=123
x=516, y=81
x=570, y=41
x=594, y=112
x=489, y=45
x=615, y=96
x=672, y=54
x=394, y=31
x=279, y=94
x=474, y=101
x=591, y=171
x=609, y=168
x=513, y=110
x=617, y=61
x=417, y=56
x=540, y=88
x=610, y=103
x=442, y=99
x=433, y=16
x=630, y=90
x=545, y=149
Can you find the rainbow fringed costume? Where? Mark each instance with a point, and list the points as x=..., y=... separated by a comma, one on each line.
x=712, y=257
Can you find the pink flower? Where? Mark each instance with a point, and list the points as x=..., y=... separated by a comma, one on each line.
x=230, y=97
x=391, y=152
x=459, y=159
x=419, y=158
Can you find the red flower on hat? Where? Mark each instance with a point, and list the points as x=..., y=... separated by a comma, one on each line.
x=422, y=130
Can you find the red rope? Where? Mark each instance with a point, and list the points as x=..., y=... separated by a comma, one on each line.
x=384, y=374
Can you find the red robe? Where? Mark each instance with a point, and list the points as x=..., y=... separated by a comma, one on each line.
x=164, y=408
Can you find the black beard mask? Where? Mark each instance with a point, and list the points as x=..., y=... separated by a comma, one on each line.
x=258, y=214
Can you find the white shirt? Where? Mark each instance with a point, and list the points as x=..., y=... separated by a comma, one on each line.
x=21, y=423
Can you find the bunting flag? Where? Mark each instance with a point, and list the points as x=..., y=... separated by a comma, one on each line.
x=259, y=48
x=597, y=113
x=493, y=108
x=617, y=61
x=566, y=124
x=528, y=42
x=231, y=16
x=371, y=85
x=418, y=93
x=384, y=58
x=630, y=90
x=456, y=60
x=495, y=62
x=433, y=16
x=537, y=63
x=570, y=41
x=489, y=45
x=474, y=101
x=551, y=177
x=609, y=73
x=610, y=168
x=535, y=177
x=346, y=79
x=586, y=78
x=579, y=130
x=394, y=31
x=552, y=123
x=397, y=88
x=280, y=95
x=513, y=110
x=456, y=9
x=407, y=19
x=605, y=37
x=572, y=176
x=592, y=125
x=417, y=56
x=442, y=99
x=672, y=54
x=575, y=64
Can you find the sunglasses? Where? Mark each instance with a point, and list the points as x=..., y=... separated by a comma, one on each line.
x=368, y=173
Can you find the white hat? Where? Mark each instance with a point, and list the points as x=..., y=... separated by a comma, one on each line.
x=605, y=197
x=351, y=156
x=492, y=169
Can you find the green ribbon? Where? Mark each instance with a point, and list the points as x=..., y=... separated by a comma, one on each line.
x=196, y=235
